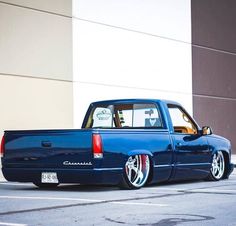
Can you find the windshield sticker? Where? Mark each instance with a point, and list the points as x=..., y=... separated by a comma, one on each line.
x=105, y=114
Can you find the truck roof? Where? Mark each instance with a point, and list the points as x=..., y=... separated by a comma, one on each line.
x=135, y=101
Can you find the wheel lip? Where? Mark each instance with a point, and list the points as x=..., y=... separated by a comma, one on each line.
x=143, y=181
x=218, y=164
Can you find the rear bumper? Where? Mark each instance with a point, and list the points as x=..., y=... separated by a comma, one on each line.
x=86, y=176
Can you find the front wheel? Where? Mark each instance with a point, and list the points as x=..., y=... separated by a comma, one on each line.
x=136, y=171
x=217, y=166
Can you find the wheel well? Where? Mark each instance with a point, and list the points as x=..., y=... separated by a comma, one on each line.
x=227, y=165
x=149, y=180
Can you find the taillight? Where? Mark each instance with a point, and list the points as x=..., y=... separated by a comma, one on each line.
x=2, y=147
x=97, y=146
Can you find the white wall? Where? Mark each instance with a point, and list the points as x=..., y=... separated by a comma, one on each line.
x=34, y=43
x=165, y=18
x=131, y=49
x=63, y=7
x=121, y=49
x=36, y=79
x=31, y=103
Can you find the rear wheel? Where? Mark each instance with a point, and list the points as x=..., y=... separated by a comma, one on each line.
x=217, y=167
x=45, y=185
x=136, y=171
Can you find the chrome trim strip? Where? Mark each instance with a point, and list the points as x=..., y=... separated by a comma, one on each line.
x=100, y=169
x=193, y=164
x=181, y=164
x=161, y=166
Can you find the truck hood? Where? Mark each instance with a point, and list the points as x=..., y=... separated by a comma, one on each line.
x=220, y=138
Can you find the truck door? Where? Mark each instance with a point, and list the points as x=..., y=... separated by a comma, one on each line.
x=192, y=157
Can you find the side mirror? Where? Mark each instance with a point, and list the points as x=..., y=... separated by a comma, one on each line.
x=206, y=130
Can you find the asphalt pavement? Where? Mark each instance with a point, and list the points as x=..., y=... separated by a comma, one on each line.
x=188, y=204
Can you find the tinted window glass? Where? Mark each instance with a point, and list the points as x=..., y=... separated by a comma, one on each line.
x=125, y=116
x=182, y=123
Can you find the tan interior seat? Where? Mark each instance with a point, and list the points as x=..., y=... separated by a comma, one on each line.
x=184, y=129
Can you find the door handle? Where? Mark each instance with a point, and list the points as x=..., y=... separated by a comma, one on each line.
x=46, y=144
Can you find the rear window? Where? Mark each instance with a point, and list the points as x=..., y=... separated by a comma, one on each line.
x=125, y=116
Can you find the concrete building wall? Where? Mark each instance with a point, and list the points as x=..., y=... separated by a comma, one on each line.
x=214, y=65
x=57, y=56
x=36, y=79
x=60, y=7
x=131, y=49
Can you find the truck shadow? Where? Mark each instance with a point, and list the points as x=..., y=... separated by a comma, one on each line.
x=102, y=188
x=98, y=188
x=83, y=188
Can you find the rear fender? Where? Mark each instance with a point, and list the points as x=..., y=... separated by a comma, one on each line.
x=139, y=152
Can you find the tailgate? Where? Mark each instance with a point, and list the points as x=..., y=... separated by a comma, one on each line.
x=48, y=149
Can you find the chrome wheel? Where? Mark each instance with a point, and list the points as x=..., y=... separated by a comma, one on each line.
x=137, y=170
x=218, y=165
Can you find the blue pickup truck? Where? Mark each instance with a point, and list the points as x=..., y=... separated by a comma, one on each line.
x=128, y=143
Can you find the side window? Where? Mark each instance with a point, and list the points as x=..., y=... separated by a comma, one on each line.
x=181, y=121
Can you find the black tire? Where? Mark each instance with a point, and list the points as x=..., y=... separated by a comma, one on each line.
x=217, y=171
x=136, y=172
x=45, y=185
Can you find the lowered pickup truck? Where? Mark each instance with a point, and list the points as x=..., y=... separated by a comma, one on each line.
x=122, y=142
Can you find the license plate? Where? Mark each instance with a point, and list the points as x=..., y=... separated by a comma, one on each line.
x=47, y=177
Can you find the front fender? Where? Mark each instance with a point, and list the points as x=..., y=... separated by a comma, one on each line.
x=215, y=150
x=227, y=156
